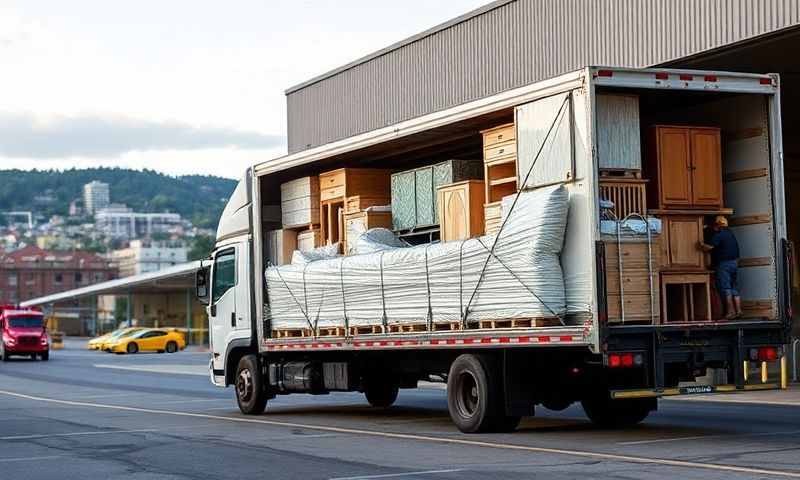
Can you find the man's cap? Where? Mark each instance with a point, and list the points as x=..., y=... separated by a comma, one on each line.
x=721, y=221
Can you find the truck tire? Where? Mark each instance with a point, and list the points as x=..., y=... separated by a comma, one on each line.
x=381, y=394
x=249, y=386
x=45, y=356
x=607, y=413
x=3, y=355
x=475, y=397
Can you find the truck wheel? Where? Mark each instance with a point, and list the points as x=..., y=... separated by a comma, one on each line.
x=250, y=394
x=607, y=413
x=132, y=347
x=172, y=347
x=45, y=356
x=4, y=355
x=474, y=397
x=381, y=393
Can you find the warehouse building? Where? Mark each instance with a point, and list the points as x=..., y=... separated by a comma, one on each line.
x=510, y=43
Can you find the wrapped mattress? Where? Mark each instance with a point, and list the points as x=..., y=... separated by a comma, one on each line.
x=433, y=282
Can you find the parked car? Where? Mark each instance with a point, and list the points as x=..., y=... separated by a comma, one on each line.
x=148, y=340
x=98, y=342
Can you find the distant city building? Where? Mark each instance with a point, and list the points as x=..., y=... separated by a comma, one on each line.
x=148, y=256
x=96, y=196
x=119, y=221
x=54, y=242
x=32, y=272
x=75, y=208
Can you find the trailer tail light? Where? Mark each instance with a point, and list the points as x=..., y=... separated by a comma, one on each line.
x=710, y=78
x=625, y=360
x=765, y=81
x=689, y=78
x=662, y=76
x=605, y=73
x=764, y=354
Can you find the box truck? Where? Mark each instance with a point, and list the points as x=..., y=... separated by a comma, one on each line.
x=582, y=278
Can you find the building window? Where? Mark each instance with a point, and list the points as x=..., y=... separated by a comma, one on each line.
x=12, y=279
x=98, y=276
x=58, y=278
x=78, y=277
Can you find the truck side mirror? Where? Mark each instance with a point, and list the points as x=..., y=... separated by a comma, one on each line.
x=201, y=285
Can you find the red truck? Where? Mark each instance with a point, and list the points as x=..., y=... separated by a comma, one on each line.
x=23, y=332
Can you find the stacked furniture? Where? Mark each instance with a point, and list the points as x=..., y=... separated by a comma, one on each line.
x=500, y=171
x=334, y=189
x=413, y=192
x=684, y=165
x=358, y=222
x=632, y=296
x=299, y=213
x=281, y=244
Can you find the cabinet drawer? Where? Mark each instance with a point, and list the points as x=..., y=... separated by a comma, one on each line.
x=493, y=210
x=500, y=150
x=634, y=256
x=357, y=203
x=309, y=240
x=637, y=308
x=499, y=135
x=633, y=282
x=331, y=193
x=332, y=179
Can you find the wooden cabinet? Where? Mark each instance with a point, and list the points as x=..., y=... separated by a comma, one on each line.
x=632, y=291
x=300, y=202
x=309, y=240
x=492, y=216
x=359, y=222
x=686, y=167
x=680, y=237
x=281, y=244
x=335, y=186
x=500, y=161
x=461, y=210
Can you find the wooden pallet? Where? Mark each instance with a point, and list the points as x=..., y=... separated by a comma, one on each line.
x=331, y=331
x=291, y=332
x=518, y=323
x=444, y=326
x=408, y=328
x=366, y=330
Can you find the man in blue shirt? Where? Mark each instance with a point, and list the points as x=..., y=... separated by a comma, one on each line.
x=725, y=261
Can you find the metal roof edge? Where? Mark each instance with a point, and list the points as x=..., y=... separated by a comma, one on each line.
x=397, y=45
x=98, y=288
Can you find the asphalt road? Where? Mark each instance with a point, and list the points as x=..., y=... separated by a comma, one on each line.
x=90, y=415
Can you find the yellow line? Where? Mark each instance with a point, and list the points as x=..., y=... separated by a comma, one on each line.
x=425, y=438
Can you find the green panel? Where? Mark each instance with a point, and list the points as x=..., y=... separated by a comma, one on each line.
x=403, y=201
x=425, y=197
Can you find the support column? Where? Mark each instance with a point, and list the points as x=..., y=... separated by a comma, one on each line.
x=128, y=309
x=188, y=316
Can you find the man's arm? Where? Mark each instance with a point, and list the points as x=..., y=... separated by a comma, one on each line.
x=705, y=247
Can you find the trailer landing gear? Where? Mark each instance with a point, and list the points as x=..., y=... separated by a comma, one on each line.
x=250, y=393
x=475, y=396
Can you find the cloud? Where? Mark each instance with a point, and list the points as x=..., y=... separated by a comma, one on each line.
x=97, y=136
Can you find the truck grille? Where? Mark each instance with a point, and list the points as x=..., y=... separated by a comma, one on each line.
x=28, y=340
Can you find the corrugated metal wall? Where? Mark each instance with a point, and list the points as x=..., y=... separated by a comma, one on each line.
x=515, y=44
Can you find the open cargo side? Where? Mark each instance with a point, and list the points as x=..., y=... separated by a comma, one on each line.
x=698, y=354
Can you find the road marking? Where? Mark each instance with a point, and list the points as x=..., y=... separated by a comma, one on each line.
x=704, y=437
x=424, y=438
x=168, y=369
x=76, y=434
x=394, y=475
x=23, y=459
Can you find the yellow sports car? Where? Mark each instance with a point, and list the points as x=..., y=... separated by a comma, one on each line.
x=98, y=343
x=148, y=340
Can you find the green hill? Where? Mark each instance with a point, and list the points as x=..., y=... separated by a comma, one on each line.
x=199, y=198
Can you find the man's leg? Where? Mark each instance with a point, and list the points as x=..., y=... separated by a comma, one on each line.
x=730, y=309
x=737, y=301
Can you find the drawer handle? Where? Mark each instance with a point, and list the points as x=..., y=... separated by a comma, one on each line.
x=500, y=137
x=501, y=150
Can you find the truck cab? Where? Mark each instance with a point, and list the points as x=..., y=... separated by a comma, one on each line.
x=24, y=333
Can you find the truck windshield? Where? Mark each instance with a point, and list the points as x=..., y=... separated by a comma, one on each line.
x=25, y=322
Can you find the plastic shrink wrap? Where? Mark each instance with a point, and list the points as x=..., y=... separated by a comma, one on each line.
x=433, y=282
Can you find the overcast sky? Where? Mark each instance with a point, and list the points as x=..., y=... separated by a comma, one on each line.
x=180, y=86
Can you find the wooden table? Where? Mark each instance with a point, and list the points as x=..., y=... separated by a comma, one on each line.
x=692, y=306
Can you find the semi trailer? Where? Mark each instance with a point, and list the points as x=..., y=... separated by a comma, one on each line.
x=642, y=160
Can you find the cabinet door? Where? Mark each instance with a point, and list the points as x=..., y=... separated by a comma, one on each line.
x=455, y=217
x=706, y=167
x=683, y=234
x=674, y=174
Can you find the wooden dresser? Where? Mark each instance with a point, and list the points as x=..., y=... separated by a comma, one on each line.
x=461, y=210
